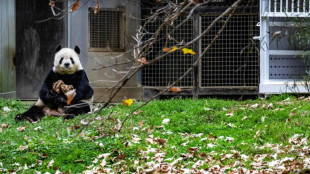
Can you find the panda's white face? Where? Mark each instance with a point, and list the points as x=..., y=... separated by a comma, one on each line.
x=66, y=61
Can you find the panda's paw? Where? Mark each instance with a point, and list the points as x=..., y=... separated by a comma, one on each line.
x=19, y=118
x=31, y=119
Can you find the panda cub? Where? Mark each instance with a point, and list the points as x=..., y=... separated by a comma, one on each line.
x=65, y=91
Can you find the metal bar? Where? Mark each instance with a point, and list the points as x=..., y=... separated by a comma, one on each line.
x=286, y=6
x=269, y=6
x=69, y=26
x=196, y=46
x=298, y=5
x=304, y=5
x=292, y=6
x=281, y=3
x=275, y=6
x=289, y=14
x=288, y=52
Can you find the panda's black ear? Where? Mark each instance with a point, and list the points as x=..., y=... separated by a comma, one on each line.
x=58, y=48
x=77, y=49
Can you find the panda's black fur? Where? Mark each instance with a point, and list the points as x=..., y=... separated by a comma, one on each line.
x=50, y=102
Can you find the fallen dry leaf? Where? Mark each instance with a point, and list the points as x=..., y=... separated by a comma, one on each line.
x=3, y=125
x=203, y=155
x=50, y=164
x=137, y=112
x=207, y=109
x=257, y=134
x=37, y=128
x=43, y=155
x=21, y=148
x=51, y=3
x=150, y=140
x=185, y=144
x=6, y=109
x=175, y=89
x=210, y=145
x=255, y=106
x=263, y=119
x=231, y=125
x=192, y=149
x=292, y=114
x=21, y=129
x=166, y=121
x=103, y=163
x=135, y=138
x=97, y=7
x=230, y=113
x=229, y=139
x=121, y=156
x=142, y=60
x=75, y=6
x=169, y=50
x=79, y=161
x=244, y=118
x=195, y=2
x=270, y=106
x=161, y=141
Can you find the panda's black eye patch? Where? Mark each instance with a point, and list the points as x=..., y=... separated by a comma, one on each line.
x=60, y=61
x=72, y=60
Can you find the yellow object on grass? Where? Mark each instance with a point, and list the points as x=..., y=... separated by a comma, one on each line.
x=127, y=102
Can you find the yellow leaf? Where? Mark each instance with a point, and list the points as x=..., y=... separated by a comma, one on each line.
x=169, y=50
x=127, y=102
x=188, y=51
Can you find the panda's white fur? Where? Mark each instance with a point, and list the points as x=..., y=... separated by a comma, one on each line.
x=66, y=54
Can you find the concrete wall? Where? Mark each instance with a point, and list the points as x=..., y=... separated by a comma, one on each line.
x=101, y=79
x=7, y=48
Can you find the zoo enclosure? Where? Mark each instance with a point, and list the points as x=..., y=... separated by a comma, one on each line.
x=230, y=67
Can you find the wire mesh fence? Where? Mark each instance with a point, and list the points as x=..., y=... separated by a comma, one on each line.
x=169, y=69
x=233, y=59
x=106, y=30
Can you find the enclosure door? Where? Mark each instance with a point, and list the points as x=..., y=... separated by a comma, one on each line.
x=37, y=37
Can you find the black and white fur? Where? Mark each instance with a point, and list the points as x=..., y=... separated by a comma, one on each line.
x=68, y=68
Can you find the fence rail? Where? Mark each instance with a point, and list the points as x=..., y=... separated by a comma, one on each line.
x=285, y=8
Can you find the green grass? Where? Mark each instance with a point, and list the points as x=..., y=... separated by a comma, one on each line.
x=189, y=122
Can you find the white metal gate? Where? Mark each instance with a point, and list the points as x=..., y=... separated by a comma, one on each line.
x=282, y=61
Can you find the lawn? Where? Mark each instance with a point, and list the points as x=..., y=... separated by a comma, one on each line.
x=177, y=136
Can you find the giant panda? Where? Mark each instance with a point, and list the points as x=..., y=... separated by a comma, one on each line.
x=65, y=91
